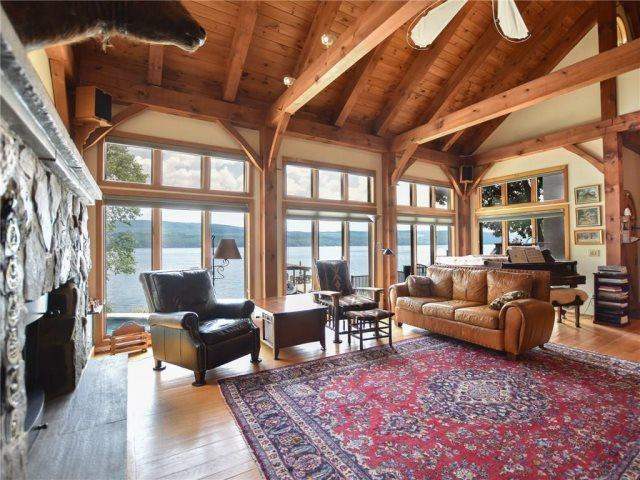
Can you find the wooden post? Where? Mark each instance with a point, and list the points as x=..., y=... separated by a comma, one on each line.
x=389, y=223
x=269, y=216
x=463, y=226
x=613, y=184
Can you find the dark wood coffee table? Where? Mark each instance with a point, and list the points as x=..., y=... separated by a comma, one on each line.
x=290, y=320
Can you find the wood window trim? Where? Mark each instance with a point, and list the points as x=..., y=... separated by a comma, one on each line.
x=344, y=179
x=538, y=208
x=529, y=175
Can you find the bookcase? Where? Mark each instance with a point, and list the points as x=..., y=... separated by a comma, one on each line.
x=611, y=293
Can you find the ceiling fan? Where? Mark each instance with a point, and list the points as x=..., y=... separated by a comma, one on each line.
x=426, y=27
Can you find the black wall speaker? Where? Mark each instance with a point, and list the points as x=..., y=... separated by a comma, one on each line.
x=103, y=105
x=466, y=174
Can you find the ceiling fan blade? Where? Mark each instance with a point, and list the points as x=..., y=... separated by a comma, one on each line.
x=509, y=22
x=427, y=28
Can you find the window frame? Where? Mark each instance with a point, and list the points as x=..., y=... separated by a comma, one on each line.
x=433, y=247
x=344, y=179
x=533, y=177
x=432, y=184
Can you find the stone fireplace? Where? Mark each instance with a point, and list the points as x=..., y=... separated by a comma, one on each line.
x=45, y=188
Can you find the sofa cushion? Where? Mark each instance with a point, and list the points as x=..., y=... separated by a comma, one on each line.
x=441, y=281
x=470, y=285
x=500, y=282
x=419, y=286
x=481, y=316
x=447, y=308
x=221, y=329
x=414, y=304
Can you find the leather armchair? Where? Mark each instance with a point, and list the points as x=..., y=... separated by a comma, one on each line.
x=190, y=328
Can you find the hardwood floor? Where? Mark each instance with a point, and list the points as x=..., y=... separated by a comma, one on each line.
x=178, y=431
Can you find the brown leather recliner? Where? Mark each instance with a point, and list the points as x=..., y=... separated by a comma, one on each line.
x=193, y=330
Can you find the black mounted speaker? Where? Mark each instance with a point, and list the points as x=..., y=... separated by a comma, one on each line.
x=466, y=174
x=103, y=105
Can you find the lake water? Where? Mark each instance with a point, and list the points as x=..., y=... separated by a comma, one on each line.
x=124, y=292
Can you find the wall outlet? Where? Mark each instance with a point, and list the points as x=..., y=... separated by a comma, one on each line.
x=594, y=252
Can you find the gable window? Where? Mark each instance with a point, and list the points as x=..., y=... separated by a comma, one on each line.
x=403, y=193
x=491, y=195
x=334, y=184
x=424, y=195
x=228, y=175
x=127, y=163
x=519, y=192
x=181, y=169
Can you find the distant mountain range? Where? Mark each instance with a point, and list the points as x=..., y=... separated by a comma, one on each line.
x=187, y=235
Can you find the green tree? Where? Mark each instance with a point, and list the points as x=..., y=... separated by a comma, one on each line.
x=119, y=257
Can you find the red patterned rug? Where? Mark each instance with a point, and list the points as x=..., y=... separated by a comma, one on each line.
x=440, y=409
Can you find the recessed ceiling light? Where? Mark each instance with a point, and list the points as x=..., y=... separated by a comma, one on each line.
x=327, y=39
x=288, y=81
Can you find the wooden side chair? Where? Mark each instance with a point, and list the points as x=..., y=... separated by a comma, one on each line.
x=337, y=292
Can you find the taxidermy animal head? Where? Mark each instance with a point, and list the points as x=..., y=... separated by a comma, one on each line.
x=44, y=24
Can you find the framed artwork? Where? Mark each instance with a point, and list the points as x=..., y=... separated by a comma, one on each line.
x=589, y=216
x=587, y=194
x=593, y=236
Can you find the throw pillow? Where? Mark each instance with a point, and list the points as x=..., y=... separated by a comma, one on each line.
x=419, y=286
x=500, y=302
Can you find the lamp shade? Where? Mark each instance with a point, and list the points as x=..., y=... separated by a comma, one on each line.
x=387, y=251
x=227, y=250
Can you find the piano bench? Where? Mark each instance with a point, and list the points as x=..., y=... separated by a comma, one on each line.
x=562, y=297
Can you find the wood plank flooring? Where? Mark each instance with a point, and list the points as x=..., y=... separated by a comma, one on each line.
x=177, y=431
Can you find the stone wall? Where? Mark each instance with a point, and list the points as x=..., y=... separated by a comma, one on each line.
x=44, y=243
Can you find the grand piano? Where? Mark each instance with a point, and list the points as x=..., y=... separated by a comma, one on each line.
x=563, y=272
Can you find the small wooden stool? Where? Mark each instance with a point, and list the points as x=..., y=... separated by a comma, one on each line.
x=365, y=321
x=562, y=297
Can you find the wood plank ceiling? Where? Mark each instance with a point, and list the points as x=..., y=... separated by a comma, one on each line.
x=473, y=64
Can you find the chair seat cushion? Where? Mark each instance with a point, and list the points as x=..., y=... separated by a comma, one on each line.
x=220, y=329
x=414, y=304
x=446, y=309
x=481, y=316
x=356, y=302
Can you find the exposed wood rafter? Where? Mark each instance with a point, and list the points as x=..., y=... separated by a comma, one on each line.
x=122, y=116
x=511, y=73
x=322, y=20
x=416, y=73
x=275, y=141
x=600, y=67
x=475, y=137
x=582, y=153
x=251, y=154
x=357, y=83
x=631, y=140
x=453, y=179
x=377, y=23
x=154, y=69
x=59, y=85
x=560, y=139
x=248, y=14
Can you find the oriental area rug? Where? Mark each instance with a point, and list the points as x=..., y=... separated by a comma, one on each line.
x=435, y=408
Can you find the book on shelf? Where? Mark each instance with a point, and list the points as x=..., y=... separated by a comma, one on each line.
x=604, y=288
x=604, y=294
x=615, y=269
x=612, y=304
x=613, y=281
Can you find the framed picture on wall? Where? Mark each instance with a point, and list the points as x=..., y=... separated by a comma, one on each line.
x=587, y=194
x=589, y=216
x=594, y=236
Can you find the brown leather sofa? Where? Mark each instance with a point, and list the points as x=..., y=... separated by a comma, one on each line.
x=457, y=306
x=193, y=330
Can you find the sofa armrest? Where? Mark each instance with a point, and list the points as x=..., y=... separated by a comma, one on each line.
x=377, y=292
x=397, y=290
x=527, y=323
x=239, y=308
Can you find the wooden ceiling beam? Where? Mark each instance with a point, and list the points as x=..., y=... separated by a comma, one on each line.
x=452, y=179
x=276, y=141
x=631, y=140
x=416, y=73
x=358, y=82
x=378, y=22
x=239, y=49
x=63, y=54
x=251, y=154
x=154, y=68
x=582, y=153
x=632, y=10
x=476, y=136
x=326, y=12
x=122, y=116
x=600, y=67
x=511, y=73
x=560, y=139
